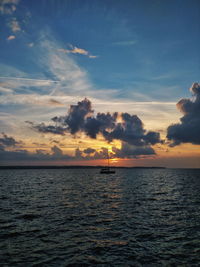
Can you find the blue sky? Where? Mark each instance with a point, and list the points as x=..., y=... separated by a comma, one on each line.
x=136, y=42
x=142, y=55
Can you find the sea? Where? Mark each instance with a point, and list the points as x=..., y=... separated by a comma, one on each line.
x=79, y=217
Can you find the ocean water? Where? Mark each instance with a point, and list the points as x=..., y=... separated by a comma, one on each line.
x=78, y=217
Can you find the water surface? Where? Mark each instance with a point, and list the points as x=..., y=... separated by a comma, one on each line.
x=61, y=217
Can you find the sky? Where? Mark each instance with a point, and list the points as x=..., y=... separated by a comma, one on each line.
x=81, y=79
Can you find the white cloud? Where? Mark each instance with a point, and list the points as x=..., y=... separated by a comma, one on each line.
x=21, y=86
x=30, y=44
x=11, y=37
x=77, y=50
x=73, y=79
x=14, y=25
x=91, y=56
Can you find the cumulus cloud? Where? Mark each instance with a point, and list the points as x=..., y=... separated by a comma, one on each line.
x=112, y=126
x=76, y=50
x=188, y=130
x=75, y=120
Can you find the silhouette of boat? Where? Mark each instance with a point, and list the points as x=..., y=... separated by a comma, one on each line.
x=107, y=170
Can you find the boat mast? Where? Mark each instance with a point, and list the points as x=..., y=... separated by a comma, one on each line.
x=108, y=161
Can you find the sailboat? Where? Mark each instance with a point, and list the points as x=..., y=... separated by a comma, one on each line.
x=107, y=170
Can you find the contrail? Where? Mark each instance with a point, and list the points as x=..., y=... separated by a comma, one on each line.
x=28, y=79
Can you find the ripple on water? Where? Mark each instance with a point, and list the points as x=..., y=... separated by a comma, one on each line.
x=81, y=218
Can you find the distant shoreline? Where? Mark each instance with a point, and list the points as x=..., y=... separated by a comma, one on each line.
x=76, y=167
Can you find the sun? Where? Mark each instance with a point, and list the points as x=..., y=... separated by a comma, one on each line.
x=114, y=160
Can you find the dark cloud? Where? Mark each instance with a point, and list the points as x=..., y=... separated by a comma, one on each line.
x=152, y=138
x=131, y=130
x=14, y=155
x=78, y=154
x=40, y=154
x=81, y=117
x=77, y=114
x=132, y=151
x=56, y=152
x=188, y=131
x=55, y=141
x=53, y=129
x=6, y=141
x=95, y=125
x=126, y=151
x=101, y=154
x=89, y=150
x=1, y=147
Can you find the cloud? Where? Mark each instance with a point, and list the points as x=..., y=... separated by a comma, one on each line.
x=8, y=6
x=89, y=150
x=126, y=151
x=61, y=76
x=14, y=25
x=92, y=154
x=77, y=114
x=30, y=44
x=132, y=151
x=116, y=126
x=131, y=130
x=33, y=99
x=10, y=151
x=91, y=56
x=6, y=141
x=43, y=128
x=76, y=50
x=56, y=152
x=63, y=80
x=62, y=68
x=125, y=43
x=11, y=37
x=188, y=131
x=12, y=82
x=55, y=102
x=39, y=155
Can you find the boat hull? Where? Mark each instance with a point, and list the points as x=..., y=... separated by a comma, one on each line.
x=107, y=172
